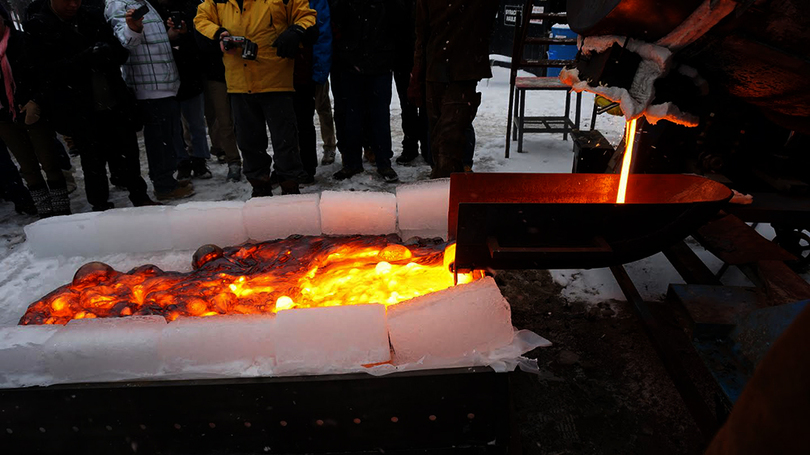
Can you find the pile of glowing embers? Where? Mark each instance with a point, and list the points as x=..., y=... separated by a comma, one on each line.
x=297, y=272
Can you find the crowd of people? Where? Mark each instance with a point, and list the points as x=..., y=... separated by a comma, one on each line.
x=185, y=72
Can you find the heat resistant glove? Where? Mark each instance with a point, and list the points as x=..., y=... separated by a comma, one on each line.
x=287, y=43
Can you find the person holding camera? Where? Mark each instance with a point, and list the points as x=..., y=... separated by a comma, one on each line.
x=28, y=136
x=78, y=62
x=152, y=73
x=260, y=41
x=179, y=18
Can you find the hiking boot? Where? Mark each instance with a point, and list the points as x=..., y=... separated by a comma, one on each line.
x=368, y=154
x=289, y=187
x=60, y=201
x=181, y=192
x=309, y=180
x=407, y=157
x=142, y=201
x=388, y=174
x=234, y=172
x=328, y=157
x=346, y=173
x=261, y=187
x=25, y=205
x=199, y=169
x=184, y=169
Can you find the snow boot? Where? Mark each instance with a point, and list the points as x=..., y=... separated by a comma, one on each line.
x=289, y=187
x=60, y=201
x=42, y=201
x=234, y=172
x=199, y=168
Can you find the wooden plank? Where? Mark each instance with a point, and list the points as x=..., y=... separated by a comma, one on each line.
x=782, y=285
x=736, y=243
x=714, y=310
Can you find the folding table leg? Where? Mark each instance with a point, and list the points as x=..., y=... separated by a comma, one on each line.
x=567, y=117
x=522, y=109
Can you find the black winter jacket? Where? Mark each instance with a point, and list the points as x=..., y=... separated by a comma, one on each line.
x=367, y=34
x=67, y=58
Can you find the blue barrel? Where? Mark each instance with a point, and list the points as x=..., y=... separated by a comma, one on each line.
x=558, y=52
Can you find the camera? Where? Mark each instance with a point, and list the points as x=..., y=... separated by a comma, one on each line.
x=249, y=48
x=177, y=19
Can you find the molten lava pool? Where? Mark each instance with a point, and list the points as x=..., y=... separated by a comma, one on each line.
x=297, y=272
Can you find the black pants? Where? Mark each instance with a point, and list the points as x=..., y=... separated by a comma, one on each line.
x=304, y=102
x=11, y=183
x=451, y=109
x=251, y=112
x=363, y=101
x=109, y=140
x=414, y=120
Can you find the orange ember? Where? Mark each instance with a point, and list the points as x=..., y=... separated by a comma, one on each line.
x=630, y=143
x=259, y=278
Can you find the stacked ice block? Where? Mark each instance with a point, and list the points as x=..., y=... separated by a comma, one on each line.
x=453, y=327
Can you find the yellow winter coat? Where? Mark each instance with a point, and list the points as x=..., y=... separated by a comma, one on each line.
x=261, y=21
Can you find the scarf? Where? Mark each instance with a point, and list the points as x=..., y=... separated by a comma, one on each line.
x=8, y=77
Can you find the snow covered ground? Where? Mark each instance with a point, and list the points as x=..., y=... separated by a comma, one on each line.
x=25, y=278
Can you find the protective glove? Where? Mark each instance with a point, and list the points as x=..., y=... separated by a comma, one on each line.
x=287, y=43
x=31, y=111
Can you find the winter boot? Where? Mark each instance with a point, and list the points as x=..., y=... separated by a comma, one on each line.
x=261, y=187
x=184, y=169
x=42, y=201
x=346, y=173
x=289, y=187
x=60, y=201
x=200, y=168
x=388, y=174
x=328, y=157
x=23, y=204
x=407, y=156
x=234, y=172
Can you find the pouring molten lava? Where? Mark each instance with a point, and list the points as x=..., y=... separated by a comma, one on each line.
x=258, y=278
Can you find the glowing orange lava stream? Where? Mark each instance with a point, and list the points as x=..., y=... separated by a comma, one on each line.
x=630, y=140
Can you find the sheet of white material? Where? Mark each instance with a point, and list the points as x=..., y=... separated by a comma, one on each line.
x=278, y=217
x=311, y=340
x=21, y=354
x=105, y=349
x=224, y=345
x=365, y=213
x=194, y=224
x=422, y=208
x=135, y=230
x=73, y=235
x=453, y=323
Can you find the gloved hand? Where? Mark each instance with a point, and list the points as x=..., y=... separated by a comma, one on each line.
x=31, y=111
x=287, y=43
x=416, y=86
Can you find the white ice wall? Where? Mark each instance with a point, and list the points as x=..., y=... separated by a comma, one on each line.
x=446, y=328
x=418, y=209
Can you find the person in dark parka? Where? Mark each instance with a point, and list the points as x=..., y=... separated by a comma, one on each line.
x=366, y=35
x=78, y=64
x=451, y=56
x=24, y=128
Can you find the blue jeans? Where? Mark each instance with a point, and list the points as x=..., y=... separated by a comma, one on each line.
x=363, y=100
x=163, y=138
x=193, y=110
x=251, y=112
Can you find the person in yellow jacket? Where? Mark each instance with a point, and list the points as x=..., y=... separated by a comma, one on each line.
x=261, y=88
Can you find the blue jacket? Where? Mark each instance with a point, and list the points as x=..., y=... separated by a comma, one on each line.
x=322, y=49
